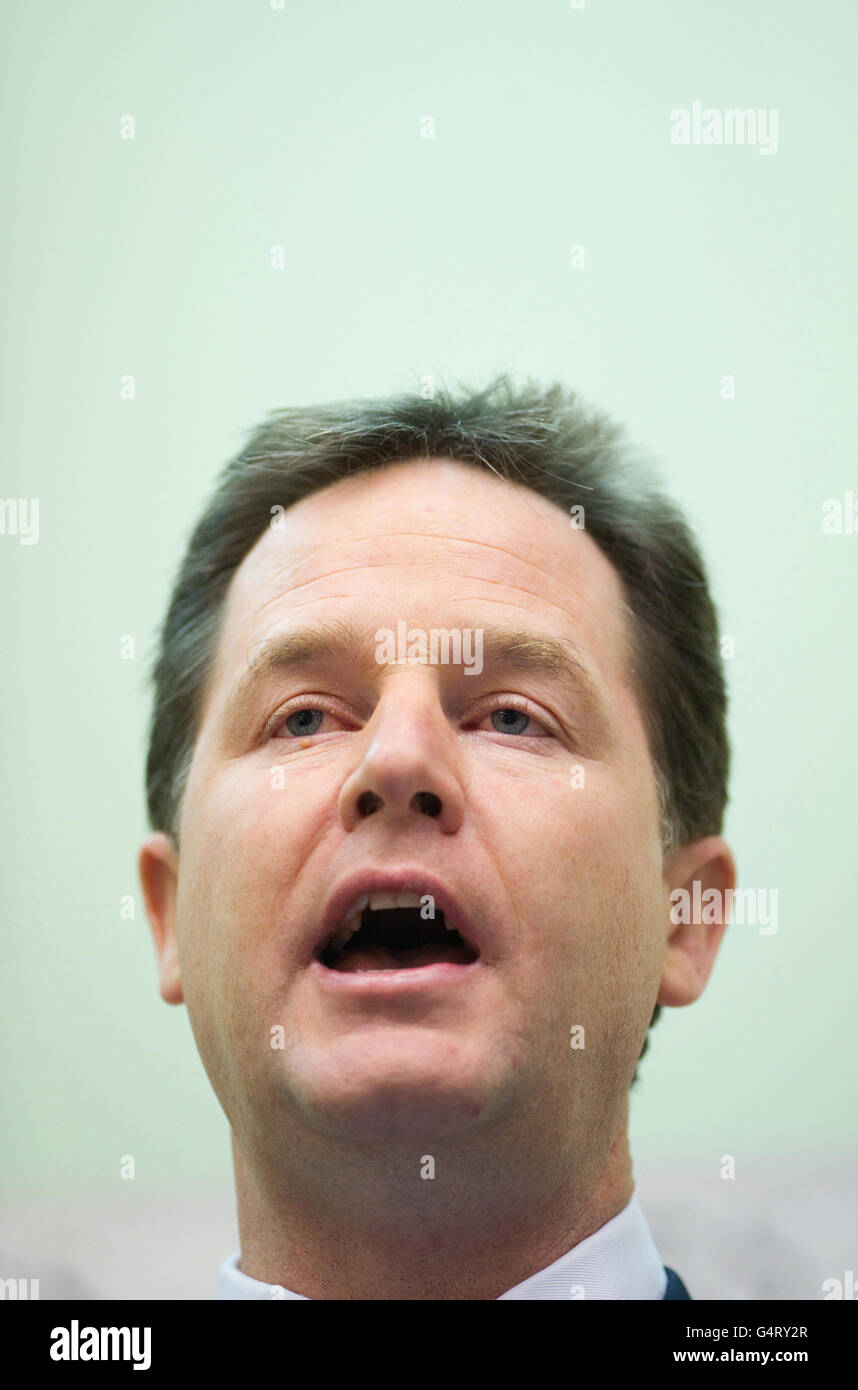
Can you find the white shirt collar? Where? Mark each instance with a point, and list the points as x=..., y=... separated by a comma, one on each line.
x=618, y=1261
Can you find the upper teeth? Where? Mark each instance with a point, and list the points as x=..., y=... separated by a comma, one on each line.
x=377, y=902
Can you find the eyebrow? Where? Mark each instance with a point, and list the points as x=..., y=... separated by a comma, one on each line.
x=344, y=644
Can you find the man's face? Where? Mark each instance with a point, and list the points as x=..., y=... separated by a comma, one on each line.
x=541, y=824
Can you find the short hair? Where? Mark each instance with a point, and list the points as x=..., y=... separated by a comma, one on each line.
x=547, y=440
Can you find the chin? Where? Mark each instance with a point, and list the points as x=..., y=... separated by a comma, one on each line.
x=395, y=1085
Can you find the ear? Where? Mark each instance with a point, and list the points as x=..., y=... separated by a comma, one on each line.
x=158, y=866
x=693, y=945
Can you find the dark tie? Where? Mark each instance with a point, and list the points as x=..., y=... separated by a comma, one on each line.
x=675, y=1287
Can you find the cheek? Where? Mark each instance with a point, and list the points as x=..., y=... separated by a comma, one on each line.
x=588, y=880
x=587, y=822
x=232, y=923
x=250, y=841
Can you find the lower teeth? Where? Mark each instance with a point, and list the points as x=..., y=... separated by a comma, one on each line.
x=364, y=959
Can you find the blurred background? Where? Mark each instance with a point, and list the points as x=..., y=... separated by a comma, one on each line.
x=217, y=209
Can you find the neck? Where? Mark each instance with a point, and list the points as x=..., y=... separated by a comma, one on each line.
x=371, y=1226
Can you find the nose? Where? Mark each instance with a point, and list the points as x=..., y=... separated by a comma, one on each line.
x=409, y=767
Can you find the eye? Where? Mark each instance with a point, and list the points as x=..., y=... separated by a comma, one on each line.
x=300, y=722
x=516, y=719
x=304, y=721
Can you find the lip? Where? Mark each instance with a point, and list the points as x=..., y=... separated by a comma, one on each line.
x=380, y=984
x=404, y=880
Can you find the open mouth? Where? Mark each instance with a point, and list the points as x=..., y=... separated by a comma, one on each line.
x=389, y=932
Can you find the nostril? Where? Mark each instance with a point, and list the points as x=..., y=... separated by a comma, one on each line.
x=367, y=803
x=428, y=803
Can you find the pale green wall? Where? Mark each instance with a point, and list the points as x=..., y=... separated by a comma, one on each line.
x=407, y=256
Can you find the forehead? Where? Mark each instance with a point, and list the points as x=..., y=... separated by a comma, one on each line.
x=434, y=542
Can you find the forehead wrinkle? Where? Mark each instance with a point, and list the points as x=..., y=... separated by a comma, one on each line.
x=623, y=625
x=456, y=540
x=506, y=583
x=461, y=541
